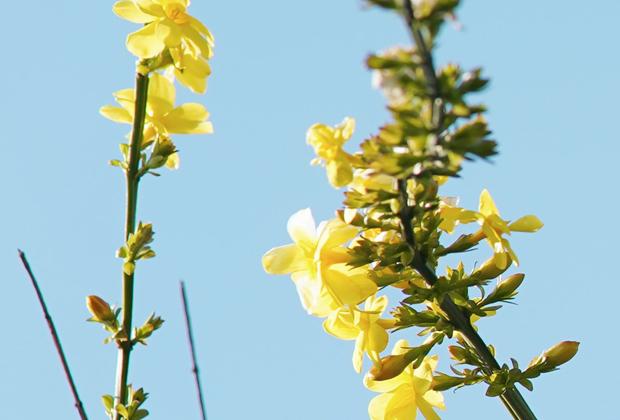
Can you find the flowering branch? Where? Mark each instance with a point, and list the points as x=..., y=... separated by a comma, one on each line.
x=180, y=52
x=391, y=234
x=512, y=398
x=50, y=323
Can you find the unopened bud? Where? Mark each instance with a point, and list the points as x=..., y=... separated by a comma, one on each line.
x=100, y=309
x=390, y=367
x=458, y=353
x=561, y=353
x=443, y=382
x=490, y=270
x=509, y=285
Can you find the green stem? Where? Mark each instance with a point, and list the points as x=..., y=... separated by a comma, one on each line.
x=132, y=179
x=512, y=398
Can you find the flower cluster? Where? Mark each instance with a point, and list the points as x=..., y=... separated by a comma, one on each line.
x=395, y=229
x=170, y=45
x=319, y=264
x=179, y=46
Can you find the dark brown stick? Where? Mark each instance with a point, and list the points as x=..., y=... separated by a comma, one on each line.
x=50, y=323
x=190, y=339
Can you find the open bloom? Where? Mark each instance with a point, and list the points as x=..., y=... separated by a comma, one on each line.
x=162, y=117
x=190, y=71
x=327, y=142
x=366, y=327
x=166, y=25
x=317, y=264
x=493, y=227
x=405, y=394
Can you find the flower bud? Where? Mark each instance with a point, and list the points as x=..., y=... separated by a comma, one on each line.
x=490, y=270
x=100, y=309
x=561, y=353
x=390, y=367
x=443, y=382
x=508, y=286
x=458, y=353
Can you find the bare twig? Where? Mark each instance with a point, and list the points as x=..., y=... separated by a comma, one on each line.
x=190, y=339
x=50, y=323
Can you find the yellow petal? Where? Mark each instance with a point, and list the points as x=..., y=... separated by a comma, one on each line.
x=423, y=374
x=335, y=233
x=170, y=33
x=151, y=7
x=116, y=114
x=314, y=297
x=400, y=405
x=339, y=323
x=426, y=410
x=202, y=30
x=347, y=286
x=193, y=73
x=130, y=11
x=377, y=409
x=184, y=116
x=487, y=205
x=145, y=42
x=173, y=162
x=400, y=347
x=301, y=228
x=376, y=304
x=358, y=352
x=435, y=399
x=126, y=98
x=510, y=252
x=528, y=223
x=181, y=120
x=339, y=173
x=492, y=236
x=284, y=260
x=319, y=133
x=387, y=385
x=161, y=96
x=347, y=127
x=386, y=324
x=377, y=339
x=499, y=224
x=193, y=37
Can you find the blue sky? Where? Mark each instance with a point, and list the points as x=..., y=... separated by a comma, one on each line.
x=280, y=67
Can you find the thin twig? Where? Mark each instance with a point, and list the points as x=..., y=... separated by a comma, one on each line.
x=428, y=67
x=50, y=323
x=190, y=339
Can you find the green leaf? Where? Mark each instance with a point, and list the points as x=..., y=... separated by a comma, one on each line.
x=108, y=402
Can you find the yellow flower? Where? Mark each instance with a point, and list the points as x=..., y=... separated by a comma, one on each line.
x=166, y=25
x=162, y=117
x=190, y=71
x=327, y=142
x=451, y=215
x=317, y=264
x=405, y=394
x=493, y=227
x=365, y=327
